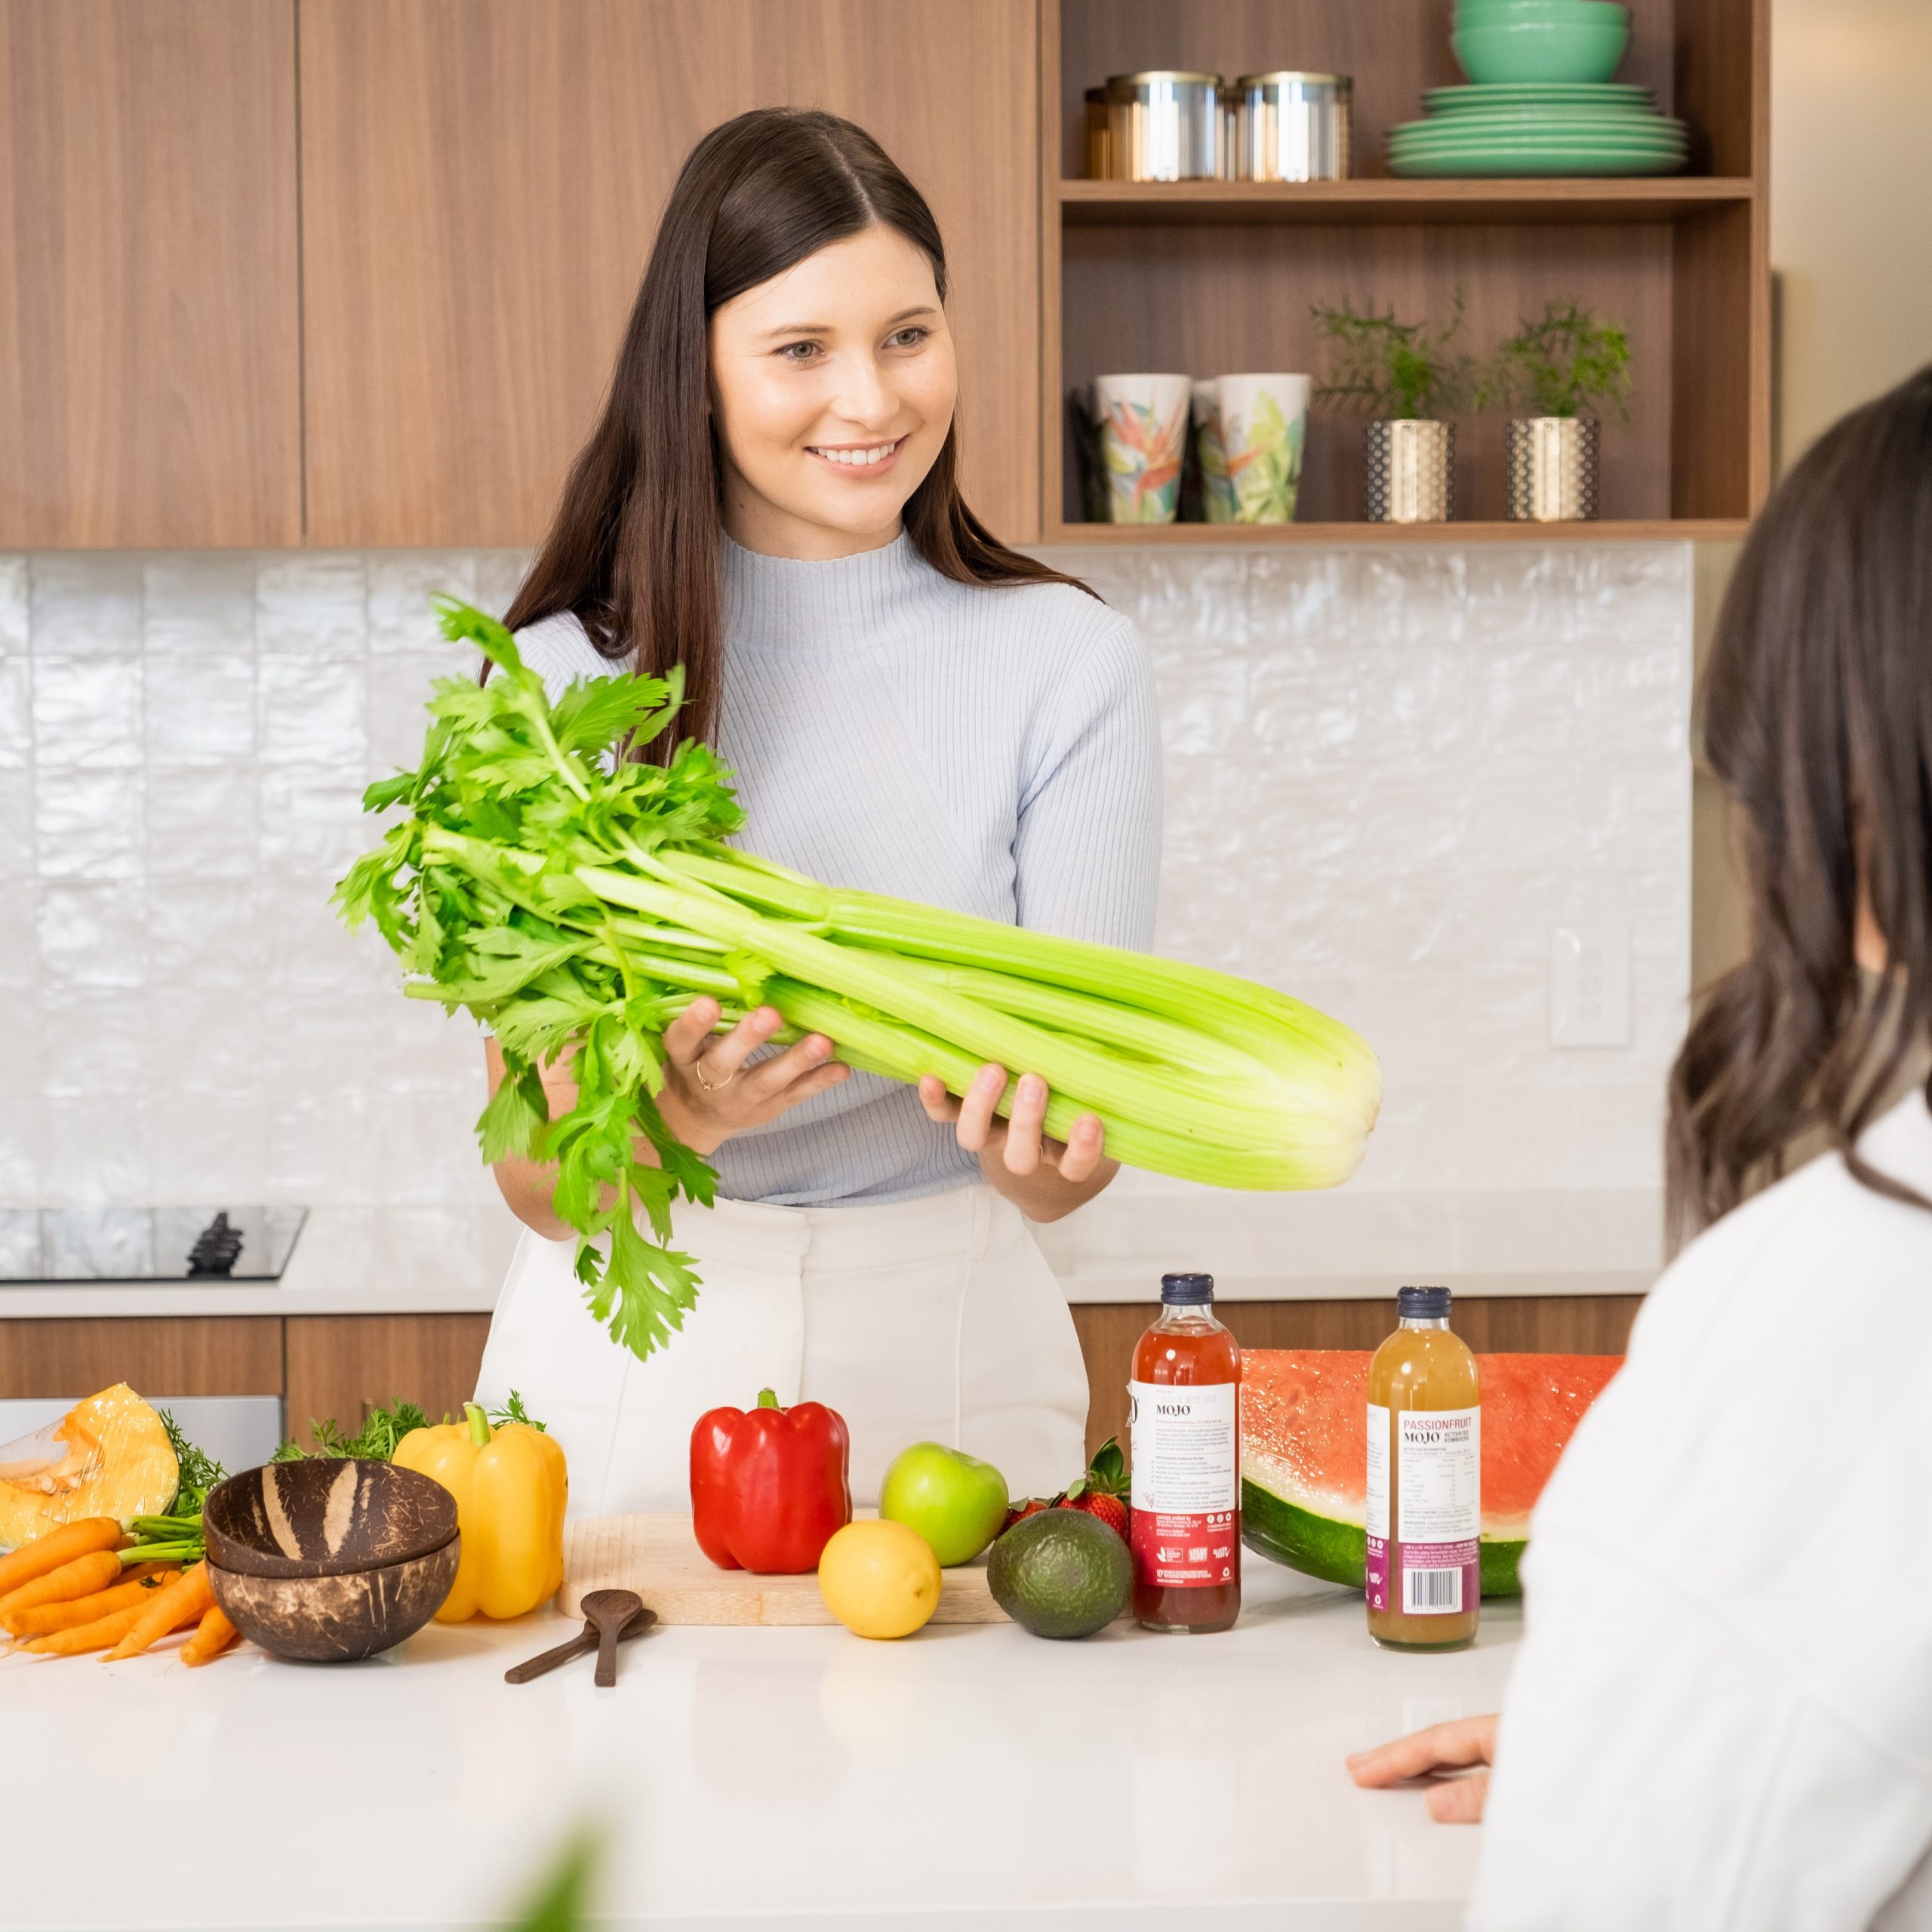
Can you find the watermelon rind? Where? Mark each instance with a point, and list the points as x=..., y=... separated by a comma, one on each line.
x=1498, y=1561
x=1316, y=1545
x=1337, y=1552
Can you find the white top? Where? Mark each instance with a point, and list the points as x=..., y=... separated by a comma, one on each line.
x=994, y=750
x=1721, y=1715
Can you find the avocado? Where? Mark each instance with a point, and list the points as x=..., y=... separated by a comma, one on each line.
x=1060, y=1573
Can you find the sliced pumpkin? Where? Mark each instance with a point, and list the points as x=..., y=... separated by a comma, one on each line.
x=115, y=1461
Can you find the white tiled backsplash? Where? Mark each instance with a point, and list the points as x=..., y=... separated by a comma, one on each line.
x=1390, y=772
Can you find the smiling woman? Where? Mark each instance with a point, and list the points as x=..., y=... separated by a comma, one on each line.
x=797, y=288
x=771, y=504
x=817, y=417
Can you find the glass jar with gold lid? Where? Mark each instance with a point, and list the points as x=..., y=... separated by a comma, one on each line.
x=1163, y=125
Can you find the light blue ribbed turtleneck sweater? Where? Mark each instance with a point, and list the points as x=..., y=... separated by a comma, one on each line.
x=995, y=750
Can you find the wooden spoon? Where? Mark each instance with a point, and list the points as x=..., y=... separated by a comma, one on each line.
x=611, y=1611
x=585, y=1641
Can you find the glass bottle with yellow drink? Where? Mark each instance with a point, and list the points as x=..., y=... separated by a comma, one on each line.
x=1425, y=1481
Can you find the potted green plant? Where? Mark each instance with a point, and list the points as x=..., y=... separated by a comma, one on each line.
x=1559, y=368
x=1411, y=375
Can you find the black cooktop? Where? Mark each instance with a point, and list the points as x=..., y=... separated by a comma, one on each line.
x=147, y=1244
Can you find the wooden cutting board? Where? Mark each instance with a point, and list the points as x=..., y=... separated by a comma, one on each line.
x=658, y=1557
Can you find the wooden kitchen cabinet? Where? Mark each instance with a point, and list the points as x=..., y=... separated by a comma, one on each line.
x=480, y=181
x=322, y=1365
x=411, y=356
x=168, y=1355
x=337, y=1364
x=150, y=386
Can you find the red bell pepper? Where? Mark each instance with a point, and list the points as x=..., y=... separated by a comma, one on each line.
x=769, y=1486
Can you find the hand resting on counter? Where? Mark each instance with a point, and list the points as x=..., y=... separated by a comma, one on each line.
x=1442, y=1747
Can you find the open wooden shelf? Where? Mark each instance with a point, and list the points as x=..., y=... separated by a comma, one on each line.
x=1207, y=277
x=1383, y=199
x=1236, y=535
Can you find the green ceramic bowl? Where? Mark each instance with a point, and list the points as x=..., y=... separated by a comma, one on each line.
x=1539, y=50
x=1571, y=13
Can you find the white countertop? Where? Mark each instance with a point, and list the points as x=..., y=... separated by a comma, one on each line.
x=754, y=1778
x=1353, y=1244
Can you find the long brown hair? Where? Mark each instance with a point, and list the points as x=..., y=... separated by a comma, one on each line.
x=1818, y=720
x=633, y=552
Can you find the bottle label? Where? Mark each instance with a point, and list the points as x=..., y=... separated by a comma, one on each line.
x=1429, y=1566
x=1186, y=1486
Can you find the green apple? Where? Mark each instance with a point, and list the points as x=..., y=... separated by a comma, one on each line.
x=956, y=1502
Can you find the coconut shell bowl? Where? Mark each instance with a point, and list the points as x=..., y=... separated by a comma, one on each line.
x=330, y=1559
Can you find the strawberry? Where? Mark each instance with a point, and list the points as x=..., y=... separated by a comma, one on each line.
x=1110, y=1510
x=1027, y=1506
x=1103, y=1490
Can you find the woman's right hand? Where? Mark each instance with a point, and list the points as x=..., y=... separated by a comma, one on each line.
x=710, y=1094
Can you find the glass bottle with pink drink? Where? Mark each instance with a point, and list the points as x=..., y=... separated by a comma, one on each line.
x=1186, y=1483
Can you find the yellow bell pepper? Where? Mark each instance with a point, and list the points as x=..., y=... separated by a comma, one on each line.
x=510, y=1486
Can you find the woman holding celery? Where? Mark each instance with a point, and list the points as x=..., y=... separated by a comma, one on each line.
x=770, y=500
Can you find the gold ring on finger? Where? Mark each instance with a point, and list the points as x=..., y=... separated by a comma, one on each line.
x=697, y=1067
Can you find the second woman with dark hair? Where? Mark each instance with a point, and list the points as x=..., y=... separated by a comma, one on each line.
x=1721, y=1712
x=770, y=500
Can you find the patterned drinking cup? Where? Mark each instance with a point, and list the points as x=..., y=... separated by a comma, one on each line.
x=1263, y=422
x=1143, y=436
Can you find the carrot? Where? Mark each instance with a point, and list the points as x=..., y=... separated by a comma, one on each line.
x=94, y=1636
x=212, y=1636
x=78, y=1610
x=80, y=1578
x=58, y=1546
x=181, y=1601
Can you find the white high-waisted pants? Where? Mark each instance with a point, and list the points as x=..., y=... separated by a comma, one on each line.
x=934, y=1320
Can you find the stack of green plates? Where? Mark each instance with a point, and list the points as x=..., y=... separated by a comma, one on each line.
x=1538, y=128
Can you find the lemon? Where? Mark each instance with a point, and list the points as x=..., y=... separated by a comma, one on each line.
x=879, y=1579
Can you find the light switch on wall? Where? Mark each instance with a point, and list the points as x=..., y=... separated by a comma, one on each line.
x=1589, y=984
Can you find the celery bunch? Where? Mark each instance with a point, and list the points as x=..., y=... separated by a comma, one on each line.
x=577, y=899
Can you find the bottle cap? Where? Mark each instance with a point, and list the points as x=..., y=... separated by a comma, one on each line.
x=1422, y=1304
x=1187, y=1288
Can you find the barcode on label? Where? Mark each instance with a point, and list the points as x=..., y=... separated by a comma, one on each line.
x=1426, y=1590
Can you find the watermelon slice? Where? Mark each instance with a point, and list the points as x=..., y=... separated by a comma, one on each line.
x=1304, y=1453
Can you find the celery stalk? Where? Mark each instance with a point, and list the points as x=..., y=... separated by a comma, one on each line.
x=577, y=899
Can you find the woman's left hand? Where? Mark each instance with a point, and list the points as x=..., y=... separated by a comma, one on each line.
x=1046, y=1177
x=1454, y=1746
